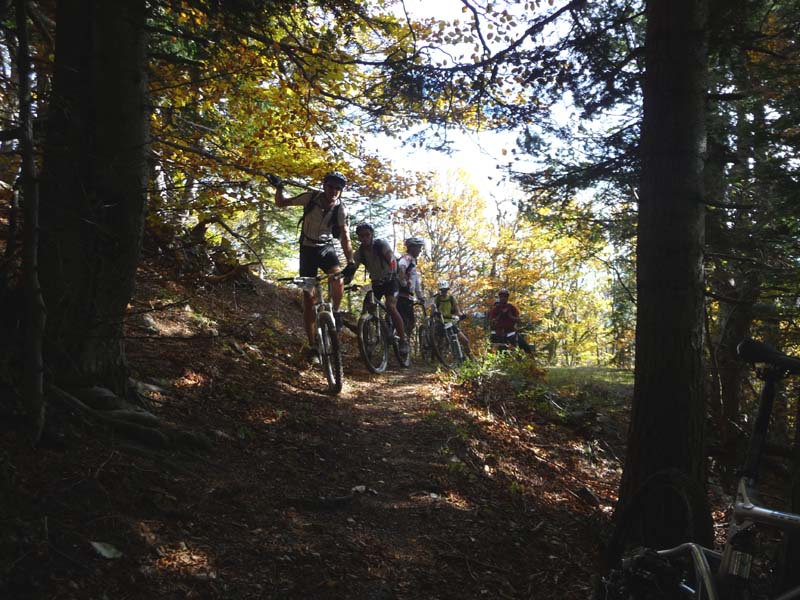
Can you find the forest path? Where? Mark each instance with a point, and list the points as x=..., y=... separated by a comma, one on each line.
x=401, y=487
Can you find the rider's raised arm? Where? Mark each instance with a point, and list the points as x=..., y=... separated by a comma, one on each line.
x=299, y=200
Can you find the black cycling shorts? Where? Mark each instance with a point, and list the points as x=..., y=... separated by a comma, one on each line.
x=405, y=306
x=314, y=258
x=387, y=287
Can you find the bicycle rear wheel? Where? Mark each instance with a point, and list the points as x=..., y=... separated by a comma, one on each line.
x=330, y=352
x=373, y=343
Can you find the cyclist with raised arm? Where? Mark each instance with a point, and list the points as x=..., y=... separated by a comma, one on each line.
x=503, y=318
x=378, y=259
x=448, y=307
x=324, y=220
x=409, y=281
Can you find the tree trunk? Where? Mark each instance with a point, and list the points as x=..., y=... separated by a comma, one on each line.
x=666, y=431
x=35, y=315
x=94, y=187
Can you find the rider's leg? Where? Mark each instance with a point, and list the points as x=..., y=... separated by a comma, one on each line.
x=308, y=318
x=405, y=307
x=397, y=319
x=337, y=289
x=309, y=264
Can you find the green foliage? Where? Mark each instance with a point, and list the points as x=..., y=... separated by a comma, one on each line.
x=573, y=378
x=512, y=371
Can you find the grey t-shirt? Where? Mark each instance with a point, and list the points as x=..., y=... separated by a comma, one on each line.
x=373, y=259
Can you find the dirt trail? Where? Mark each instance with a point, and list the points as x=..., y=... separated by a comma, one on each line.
x=392, y=490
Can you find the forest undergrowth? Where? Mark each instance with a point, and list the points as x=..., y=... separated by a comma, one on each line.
x=410, y=484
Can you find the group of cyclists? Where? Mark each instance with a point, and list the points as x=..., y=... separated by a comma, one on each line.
x=396, y=281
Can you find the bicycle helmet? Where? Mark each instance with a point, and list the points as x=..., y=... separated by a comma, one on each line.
x=335, y=177
x=444, y=285
x=502, y=292
x=364, y=225
x=414, y=241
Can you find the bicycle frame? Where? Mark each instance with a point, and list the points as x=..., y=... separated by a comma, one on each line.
x=450, y=329
x=733, y=565
x=373, y=310
x=325, y=327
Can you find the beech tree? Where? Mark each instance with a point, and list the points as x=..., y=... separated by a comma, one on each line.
x=94, y=187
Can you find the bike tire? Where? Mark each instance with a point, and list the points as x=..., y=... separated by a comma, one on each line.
x=330, y=353
x=373, y=343
x=442, y=347
x=424, y=347
x=458, y=350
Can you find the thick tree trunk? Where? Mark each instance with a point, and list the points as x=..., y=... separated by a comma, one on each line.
x=666, y=431
x=94, y=187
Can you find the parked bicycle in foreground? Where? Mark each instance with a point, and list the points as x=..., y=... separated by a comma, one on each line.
x=327, y=339
x=376, y=332
x=741, y=570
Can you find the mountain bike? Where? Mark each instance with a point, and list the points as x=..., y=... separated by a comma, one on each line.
x=446, y=345
x=376, y=331
x=503, y=342
x=328, y=347
x=742, y=569
x=420, y=337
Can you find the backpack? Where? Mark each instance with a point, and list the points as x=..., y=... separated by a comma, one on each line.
x=381, y=254
x=404, y=289
x=449, y=300
x=336, y=229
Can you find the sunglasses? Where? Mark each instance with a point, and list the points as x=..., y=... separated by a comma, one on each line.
x=336, y=187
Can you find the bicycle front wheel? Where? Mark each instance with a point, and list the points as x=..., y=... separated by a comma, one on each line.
x=442, y=346
x=330, y=352
x=373, y=343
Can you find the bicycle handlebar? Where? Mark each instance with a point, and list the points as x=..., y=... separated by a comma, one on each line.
x=752, y=351
x=300, y=279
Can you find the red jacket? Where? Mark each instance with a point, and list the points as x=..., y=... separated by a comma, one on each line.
x=500, y=317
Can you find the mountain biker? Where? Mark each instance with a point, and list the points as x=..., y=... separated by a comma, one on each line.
x=409, y=280
x=503, y=317
x=324, y=219
x=378, y=258
x=448, y=307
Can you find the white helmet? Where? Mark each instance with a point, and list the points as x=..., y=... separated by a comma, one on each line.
x=444, y=285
